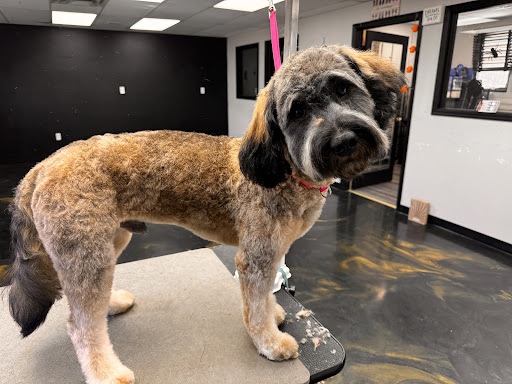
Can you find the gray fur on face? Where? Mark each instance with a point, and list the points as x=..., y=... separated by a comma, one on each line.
x=321, y=98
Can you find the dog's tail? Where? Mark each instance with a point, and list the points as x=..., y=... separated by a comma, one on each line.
x=33, y=280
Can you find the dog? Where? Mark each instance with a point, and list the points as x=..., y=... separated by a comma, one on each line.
x=322, y=115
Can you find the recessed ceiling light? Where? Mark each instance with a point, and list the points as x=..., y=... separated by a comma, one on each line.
x=150, y=24
x=244, y=5
x=73, y=18
x=152, y=1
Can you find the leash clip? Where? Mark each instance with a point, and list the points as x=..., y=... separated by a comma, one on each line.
x=271, y=6
x=328, y=192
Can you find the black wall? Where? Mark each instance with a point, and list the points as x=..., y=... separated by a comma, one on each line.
x=67, y=80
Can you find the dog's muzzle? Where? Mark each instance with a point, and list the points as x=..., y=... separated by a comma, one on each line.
x=345, y=143
x=353, y=129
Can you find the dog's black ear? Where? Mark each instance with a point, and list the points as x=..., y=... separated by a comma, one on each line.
x=381, y=78
x=262, y=155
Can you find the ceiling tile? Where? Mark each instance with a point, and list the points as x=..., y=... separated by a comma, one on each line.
x=38, y=5
x=198, y=17
x=182, y=9
x=76, y=8
x=25, y=16
x=223, y=31
x=209, y=18
x=247, y=22
x=116, y=23
x=128, y=8
x=2, y=18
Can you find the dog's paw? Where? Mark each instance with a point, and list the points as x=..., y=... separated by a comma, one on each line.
x=279, y=314
x=122, y=375
x=126, y=378
x=120, y=301
x=281, y=347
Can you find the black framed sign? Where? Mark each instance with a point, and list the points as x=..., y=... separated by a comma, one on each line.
x=475, y=62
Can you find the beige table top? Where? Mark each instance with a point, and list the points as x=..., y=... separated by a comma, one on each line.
x=186, y=327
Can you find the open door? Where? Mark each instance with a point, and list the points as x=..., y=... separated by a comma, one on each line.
x=394, y=48
x=396, y=39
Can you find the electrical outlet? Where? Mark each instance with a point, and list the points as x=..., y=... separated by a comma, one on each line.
x=122, y=90
x=58, y=136
x=202, y=90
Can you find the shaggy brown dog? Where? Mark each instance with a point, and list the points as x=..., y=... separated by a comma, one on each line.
x=321, y=116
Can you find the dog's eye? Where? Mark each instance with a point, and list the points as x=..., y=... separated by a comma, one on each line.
x=341, y=91
x=339, y=86
x=299, y=113
x=298, y=110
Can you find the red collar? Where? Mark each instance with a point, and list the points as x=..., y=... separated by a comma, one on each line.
x=321, y=189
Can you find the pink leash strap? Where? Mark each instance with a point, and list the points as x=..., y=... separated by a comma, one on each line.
x=274, y=36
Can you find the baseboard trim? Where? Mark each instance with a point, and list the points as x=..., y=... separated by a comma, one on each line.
x=488, y=240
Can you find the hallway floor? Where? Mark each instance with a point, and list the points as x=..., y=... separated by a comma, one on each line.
x=384, y=193
x=410, y=304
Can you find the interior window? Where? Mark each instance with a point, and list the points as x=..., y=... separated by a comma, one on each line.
x=477, y=54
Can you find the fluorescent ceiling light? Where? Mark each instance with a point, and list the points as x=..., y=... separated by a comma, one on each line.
x=488, y=30
x=152, y=1
x=73, y=18
x=244, y=5
x=149, y=24
x=463, y=21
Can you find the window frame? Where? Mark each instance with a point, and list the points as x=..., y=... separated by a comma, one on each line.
x=445, y=57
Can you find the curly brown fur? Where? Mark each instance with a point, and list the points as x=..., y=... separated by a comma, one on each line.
x=321, y=116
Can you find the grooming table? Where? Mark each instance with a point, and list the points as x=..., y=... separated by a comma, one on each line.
x=185, y=327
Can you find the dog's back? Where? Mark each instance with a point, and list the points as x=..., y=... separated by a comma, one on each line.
x=145, y=174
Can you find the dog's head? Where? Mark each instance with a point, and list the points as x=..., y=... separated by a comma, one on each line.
x=326, y=111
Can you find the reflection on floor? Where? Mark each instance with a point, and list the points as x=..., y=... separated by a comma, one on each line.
x=410, y=304
x=385, y=193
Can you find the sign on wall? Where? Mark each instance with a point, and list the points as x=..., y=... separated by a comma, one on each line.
x=433, y=15
x=488, y=106
x=385, y=8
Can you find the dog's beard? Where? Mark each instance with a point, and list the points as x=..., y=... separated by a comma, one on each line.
x=313, y=154
x=369, y=149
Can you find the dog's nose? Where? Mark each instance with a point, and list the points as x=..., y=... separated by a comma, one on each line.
x=345, y=144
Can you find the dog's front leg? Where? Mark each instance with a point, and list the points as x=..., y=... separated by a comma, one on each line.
x=257, y=267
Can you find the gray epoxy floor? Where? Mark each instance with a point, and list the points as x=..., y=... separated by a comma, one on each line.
x=410, y=304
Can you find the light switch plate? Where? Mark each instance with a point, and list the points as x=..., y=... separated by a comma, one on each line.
x=122, y=90
x=58, y=136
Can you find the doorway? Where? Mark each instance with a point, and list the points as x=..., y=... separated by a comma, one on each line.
x=398, y=40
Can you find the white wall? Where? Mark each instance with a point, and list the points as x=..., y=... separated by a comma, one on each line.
x=240, y=110
x=463, y=50
x=462, y=166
